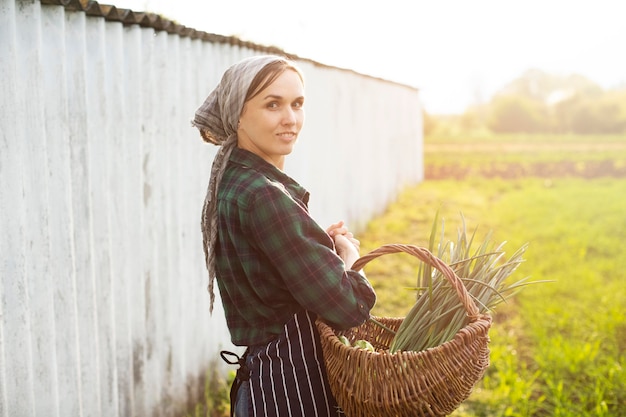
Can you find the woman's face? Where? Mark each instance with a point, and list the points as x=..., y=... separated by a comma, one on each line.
x=271, y=121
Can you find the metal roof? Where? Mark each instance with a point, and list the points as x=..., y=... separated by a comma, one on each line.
x=157, y=22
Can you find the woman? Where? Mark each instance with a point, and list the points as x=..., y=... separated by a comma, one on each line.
x=276, y=269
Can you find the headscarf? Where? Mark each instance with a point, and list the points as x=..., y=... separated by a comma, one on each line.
x=217, y=119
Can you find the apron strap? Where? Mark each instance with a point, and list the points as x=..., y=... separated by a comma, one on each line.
x=243, y=374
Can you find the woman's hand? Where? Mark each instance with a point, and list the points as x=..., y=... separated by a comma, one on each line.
x=337, y=228
x=346, y=245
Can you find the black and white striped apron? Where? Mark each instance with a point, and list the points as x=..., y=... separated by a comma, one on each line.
x=288, y=375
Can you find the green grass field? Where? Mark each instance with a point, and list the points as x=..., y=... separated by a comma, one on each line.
x=557, y=348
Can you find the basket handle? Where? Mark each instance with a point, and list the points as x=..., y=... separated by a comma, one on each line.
x=426, y=256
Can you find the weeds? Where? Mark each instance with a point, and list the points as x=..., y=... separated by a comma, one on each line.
x=216, y=400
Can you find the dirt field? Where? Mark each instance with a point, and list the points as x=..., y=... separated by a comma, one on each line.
x=579, y=166
x=589, y=169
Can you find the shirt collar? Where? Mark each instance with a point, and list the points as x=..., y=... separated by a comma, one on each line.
x=250, y=160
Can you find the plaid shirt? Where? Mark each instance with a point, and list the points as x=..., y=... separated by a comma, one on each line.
x=273, y=259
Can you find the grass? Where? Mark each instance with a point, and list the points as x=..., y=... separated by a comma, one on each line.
x=558, y=349
x=215, y=400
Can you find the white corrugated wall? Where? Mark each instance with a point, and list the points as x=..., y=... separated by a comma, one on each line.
x=104, y=309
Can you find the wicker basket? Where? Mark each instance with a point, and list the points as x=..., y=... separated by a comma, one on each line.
x=432, y=382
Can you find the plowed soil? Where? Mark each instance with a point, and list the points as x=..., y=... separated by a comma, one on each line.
x=578, y=167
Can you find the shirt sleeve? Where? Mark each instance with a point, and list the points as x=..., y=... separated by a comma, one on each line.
x=303, y=254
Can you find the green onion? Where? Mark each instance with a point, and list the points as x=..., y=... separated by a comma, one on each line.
x=438, y=315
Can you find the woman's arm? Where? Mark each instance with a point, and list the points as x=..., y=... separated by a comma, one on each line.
x=314, y=270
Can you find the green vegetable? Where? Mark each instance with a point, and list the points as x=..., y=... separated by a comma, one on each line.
x=438, y=315
x=344, y=340
x=364, y=344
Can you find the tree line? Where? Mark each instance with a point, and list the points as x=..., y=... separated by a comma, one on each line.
x=538, y=102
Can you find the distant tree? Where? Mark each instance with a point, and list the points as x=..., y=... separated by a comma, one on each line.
x=613, y=104
x=429, y=123
x=541, y=86
x=473, y=118
x=542, y=102
x=517, y=114
x=539, y=102
x=564, y=112
x=583, y=115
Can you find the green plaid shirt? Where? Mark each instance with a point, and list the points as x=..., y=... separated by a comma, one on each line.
x=273, y=259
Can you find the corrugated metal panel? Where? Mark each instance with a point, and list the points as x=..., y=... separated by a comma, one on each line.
x=103, y=304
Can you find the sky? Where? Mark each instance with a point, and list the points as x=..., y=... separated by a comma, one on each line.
x=456, y=52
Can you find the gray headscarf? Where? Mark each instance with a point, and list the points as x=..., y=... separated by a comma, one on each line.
x=217, y=120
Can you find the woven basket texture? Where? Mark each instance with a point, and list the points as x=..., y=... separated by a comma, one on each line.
x=433, y=382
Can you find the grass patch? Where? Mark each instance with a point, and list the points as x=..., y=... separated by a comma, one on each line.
x=558, y=349
x=216, y=396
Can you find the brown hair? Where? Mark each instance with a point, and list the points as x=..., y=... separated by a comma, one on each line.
x=268, y=75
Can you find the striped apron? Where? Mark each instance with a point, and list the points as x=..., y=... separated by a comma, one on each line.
x=288, y=375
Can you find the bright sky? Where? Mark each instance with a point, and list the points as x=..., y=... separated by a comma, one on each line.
x=457, y=52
